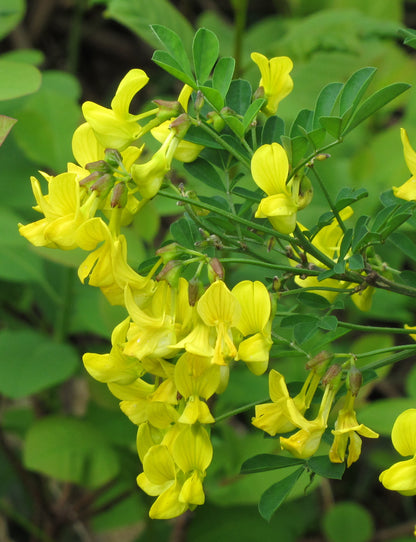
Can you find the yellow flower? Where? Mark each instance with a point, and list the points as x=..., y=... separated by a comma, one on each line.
x=305, y=442
x=277, y=417
x=196, y=377
x=270, y=168
x=255, y=321
x=185, y=151
x=116, y=128
x=65, y=208
x=174, y=471
x=347, y=429
x=407, y=190
x=401, y=476
x=115, y=366
x=275, y=79
x=219, y=309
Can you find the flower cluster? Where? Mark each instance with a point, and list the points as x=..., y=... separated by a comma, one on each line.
x=286, y=414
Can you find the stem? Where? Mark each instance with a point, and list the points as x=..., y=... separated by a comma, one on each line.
x=240, y=157
x=226, y=214
x=329, y=199
x=388, y=361
x=281, y=267
x=239, y=410
x=312, y=156
x=376, y=329
x=400, y=348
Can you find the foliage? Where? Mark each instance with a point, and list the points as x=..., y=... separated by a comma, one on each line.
x=184, y=236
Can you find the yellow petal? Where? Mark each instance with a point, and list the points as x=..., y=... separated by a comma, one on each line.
x=255, y=306
x=409, y=153
x=270, y=168
x=192, y=449
x=403, y=434
x=129, y=86
x=401, y=477
x=218, y=304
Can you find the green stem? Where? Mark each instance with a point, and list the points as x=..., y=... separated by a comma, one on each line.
x=312, y=156
x=400, y=348
x=403, y=354
x=280, y=267
x=240, y=157
x=226, y=214
x=329, y=199
x=376, y=329
x=239, y=410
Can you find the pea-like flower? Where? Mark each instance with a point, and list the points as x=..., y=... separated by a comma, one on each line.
x=275, y=79
x=401, y=476
x=407, y=190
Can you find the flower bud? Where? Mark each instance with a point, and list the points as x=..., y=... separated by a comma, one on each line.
x=119, y=196
x=216, y=120
x=168, y=252
x=354, y=380
x=171, y=272
x=180, y=125
x=305, y=193
x=195, y=290
x=332, y=376
x=259, y=93
x=100, y=165
x=113, y=158
x=90, y=179
x=167, y=109
x=199, y=101
x=320, y=359
x=103, y=184
x=215, y=270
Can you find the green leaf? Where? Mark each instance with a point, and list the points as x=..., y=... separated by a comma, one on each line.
x=322, y=466
x=185, y=232
x=348, y=195
x=199, y=136
x=409, y=278
x=213, y=96
x=71, y=450
x=295, y=148
x=303, y=120
x=328, y=322
x=265, y=462
x=409, y=36
x=305, y=330
x=313, y=300
x=332, y=125
x=31, y=363
x=252, y=111
x=6, y=124
x=239, y=96
x=326, y=102
x=235, y=125
x=359, y=526
x=174, y=46
x=223, y=75
x=356, y=262
x=354, y=90
x=273, y=497
x=345, y=244
x=375, y=102
x=139, y=15
x=203, y=171
x=205, y=49
x=10, y=15
x=17, y=79
x=273, y=129
x=403, y=243
x=169, y=64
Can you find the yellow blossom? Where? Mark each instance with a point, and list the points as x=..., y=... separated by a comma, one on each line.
x=407, y=190
x=270, y=168
x=348, y=430
x=275, y=79
x=401, y=476
x=116, y=128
